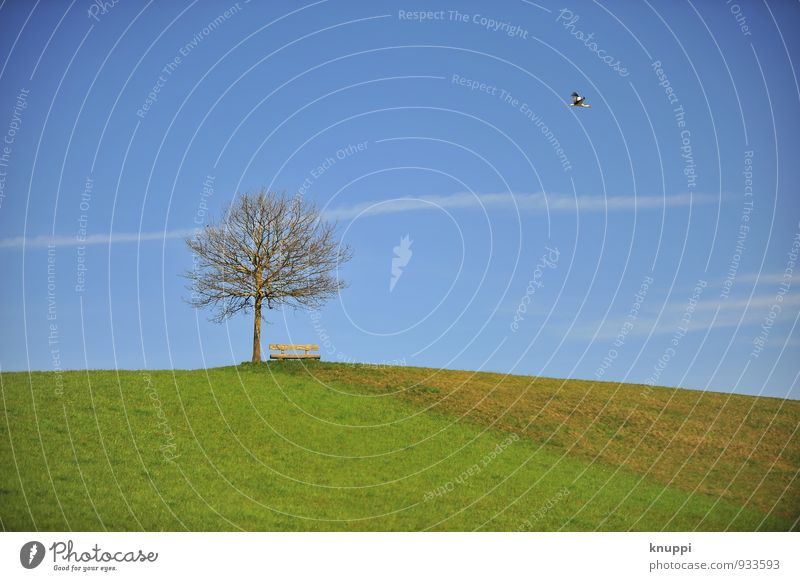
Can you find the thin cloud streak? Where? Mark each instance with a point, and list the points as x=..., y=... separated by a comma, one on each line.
x=551, y=202
x=93, y=239
x=525, y=202
x=732, y=313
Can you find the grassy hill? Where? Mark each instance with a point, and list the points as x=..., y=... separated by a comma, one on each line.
x=287, y=446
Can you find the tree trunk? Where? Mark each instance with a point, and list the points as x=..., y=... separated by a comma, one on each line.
x=257, y=332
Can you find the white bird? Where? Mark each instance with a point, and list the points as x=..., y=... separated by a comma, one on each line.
x=578, y=101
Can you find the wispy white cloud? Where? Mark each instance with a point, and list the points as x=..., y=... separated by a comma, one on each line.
x=525, y=202
x=763, y=278
x=714, y=312
x=537, y=201
x=93, y=239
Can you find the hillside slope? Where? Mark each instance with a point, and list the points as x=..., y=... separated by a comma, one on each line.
x=743, y=448
x=289, y=446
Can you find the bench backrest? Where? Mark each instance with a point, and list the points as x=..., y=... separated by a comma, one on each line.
x=293, y=347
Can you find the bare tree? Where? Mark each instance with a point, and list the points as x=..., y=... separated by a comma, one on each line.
x=266, y=249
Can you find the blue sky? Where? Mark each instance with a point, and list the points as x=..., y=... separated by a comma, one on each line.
x=647, y=239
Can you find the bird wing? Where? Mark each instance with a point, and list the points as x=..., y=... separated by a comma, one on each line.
x=576, y=98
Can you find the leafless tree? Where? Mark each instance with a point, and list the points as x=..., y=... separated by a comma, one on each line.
x=266, y=249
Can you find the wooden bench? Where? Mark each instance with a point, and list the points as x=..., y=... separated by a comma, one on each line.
x=284, y=347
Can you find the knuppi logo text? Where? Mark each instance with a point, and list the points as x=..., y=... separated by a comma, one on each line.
x=32, y=554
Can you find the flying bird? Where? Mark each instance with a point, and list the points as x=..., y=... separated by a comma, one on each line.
x=578, y=101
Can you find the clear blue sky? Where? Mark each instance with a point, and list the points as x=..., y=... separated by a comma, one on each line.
x=533, y=226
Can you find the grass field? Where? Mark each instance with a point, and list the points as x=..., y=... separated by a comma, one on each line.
x=287, y=446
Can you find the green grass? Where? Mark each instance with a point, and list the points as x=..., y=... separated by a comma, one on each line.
x=287, y=446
